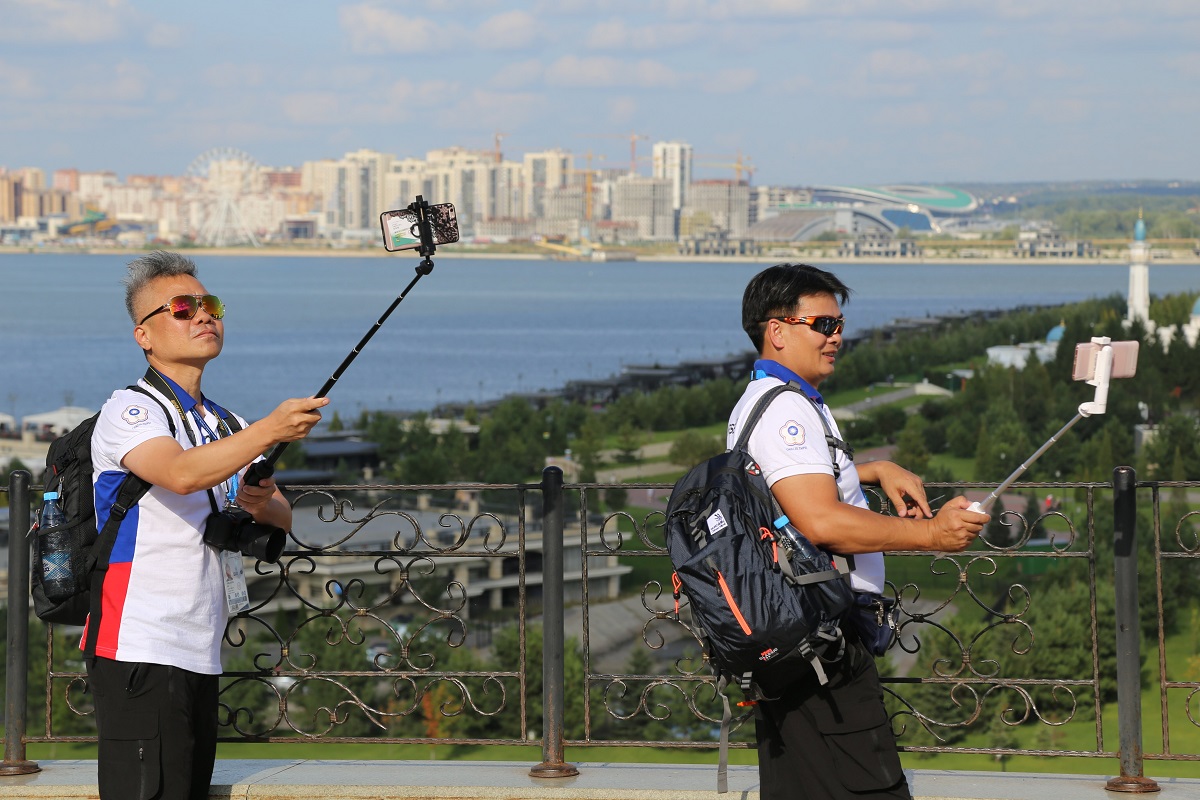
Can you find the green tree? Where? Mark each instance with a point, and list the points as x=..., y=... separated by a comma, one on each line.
x=629, y=442
x=691, y=447
x=911, y=450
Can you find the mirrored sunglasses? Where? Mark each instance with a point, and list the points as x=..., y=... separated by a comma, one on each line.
x=185, y=306
x=826, y=326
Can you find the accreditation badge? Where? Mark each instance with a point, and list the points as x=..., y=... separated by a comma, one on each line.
x=237, y=598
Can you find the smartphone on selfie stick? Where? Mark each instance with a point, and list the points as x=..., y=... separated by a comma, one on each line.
x=421, y=227
x=1096, y=362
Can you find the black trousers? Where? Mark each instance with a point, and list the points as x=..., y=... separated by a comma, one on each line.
x=831, y=742
x=157, y=728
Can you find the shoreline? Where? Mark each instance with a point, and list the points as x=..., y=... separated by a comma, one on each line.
x=1182, y=259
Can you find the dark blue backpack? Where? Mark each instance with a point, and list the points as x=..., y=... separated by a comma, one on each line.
x=765, y=601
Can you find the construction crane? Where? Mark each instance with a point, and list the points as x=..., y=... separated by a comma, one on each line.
x=588, y=181
x=739, y=165
x=633, y=140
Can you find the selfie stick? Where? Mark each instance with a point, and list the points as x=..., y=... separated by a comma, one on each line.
x=1098, y=405
x=420, y=209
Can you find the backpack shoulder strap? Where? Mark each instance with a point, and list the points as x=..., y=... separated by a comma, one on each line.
x=131, y=490
x=760, y=407
x=166, y=413
x=833, y=442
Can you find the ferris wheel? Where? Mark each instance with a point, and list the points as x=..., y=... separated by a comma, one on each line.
x=223, y=178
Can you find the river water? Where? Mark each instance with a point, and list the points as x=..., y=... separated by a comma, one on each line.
x=475, y=329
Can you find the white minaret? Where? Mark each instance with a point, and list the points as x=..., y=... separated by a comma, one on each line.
x=1139, y=278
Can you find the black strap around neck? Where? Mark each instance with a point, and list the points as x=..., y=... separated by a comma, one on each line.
x=160, y=383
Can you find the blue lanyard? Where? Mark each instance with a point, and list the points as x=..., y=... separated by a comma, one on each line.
x=765, y=366
x=207, y=434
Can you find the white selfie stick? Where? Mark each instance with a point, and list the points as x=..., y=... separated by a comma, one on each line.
x=1098, y=376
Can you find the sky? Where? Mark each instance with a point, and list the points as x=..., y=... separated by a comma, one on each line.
x=808, y=91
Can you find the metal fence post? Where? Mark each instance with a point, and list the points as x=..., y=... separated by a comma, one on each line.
x=553, y=638
x=17, y=662
x=1129, y=636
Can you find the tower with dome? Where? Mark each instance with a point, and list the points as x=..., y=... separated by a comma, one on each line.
x=1139, y=296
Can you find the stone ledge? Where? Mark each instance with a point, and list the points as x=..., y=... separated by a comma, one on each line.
x=501, y=780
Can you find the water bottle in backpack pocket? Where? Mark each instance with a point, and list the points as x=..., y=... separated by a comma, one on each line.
x=52, y=550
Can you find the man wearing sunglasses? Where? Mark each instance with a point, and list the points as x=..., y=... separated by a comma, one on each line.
x=165, y=599
x=832, y=741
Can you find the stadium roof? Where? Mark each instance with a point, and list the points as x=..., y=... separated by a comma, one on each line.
x=937, y=200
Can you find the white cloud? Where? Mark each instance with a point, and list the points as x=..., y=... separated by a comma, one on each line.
x=622, y=110
x=164, y=35
x=125, y=82
x=16, y=81
x=616, y=34
x=1186, y=65
x=233, y=76
x=386, y=103
x=896, y=64
x=313, y=108
x=1059, y=111
x=730, y=81
x=607, y=73
x=64, y=21
x=375, y=31
x=481, y=109
x=518, y=75
x=512, y=30
x=908, y=115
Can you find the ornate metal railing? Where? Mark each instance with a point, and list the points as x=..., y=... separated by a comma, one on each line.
x=386, y=621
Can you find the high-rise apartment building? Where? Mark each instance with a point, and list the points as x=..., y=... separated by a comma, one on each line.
x=646, y=202
x=10, y=197
x=543, y=172
x=673, y=162
x=726, y=204
x=66, y=180
x=353, y=189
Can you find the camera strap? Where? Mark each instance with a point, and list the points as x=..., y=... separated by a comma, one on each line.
x=165, y=387
x=237, y=597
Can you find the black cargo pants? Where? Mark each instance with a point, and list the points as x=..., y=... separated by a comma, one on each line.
x=831, y=742
x=158, y=730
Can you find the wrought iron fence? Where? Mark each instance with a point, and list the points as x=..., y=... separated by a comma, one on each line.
x=505, y=614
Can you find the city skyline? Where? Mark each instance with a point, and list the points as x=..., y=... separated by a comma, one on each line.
x=867, y=92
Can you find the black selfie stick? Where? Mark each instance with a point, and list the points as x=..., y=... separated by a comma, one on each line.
x=420, y=209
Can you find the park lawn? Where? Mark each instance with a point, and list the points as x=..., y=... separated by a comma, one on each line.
x=963, y=469
x=1078, y=736
x=1081, y=736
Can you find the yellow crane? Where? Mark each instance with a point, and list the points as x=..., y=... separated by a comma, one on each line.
x=633, y=140
x=739, y=165
x=588, y=182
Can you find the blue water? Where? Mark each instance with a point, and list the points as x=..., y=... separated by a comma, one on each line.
x=472, y=330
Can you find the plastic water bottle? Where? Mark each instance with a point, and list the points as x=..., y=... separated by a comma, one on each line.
x=58, y=581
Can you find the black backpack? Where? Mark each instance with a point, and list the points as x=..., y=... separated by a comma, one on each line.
x=69, y=471
x=767, y=602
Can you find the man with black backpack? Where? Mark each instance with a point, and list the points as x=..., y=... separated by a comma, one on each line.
x=833, y=739
x=154, y=654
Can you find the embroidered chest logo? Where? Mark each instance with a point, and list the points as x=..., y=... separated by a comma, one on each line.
x=135, y=415
x=792, y=433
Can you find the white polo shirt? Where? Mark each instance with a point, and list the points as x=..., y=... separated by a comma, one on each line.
x=164, y=594
x=790, y=440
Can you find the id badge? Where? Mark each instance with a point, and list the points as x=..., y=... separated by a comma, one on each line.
x=237, y=598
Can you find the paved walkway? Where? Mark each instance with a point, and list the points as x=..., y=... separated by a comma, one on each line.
x=500, y=780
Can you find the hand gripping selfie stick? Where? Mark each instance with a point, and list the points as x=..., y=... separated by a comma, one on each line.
x=1096, y=362
x=420, y=211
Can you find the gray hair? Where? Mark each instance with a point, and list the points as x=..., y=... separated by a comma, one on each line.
x=156, y=264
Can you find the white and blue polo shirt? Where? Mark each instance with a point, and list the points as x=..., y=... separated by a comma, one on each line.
x=164, y=594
